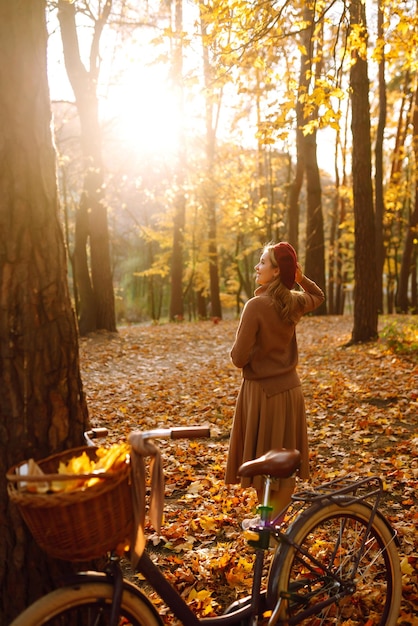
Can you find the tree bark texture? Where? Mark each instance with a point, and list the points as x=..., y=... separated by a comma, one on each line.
x=365, y=289
x=42, y=405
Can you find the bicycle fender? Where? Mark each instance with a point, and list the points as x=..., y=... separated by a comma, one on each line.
x=343, y=499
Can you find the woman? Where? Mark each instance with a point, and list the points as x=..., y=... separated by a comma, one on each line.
x=270, y=409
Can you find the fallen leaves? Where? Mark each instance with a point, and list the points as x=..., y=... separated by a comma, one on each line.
x=362, y=408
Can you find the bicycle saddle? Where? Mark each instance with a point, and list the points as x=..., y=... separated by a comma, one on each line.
x=275, y=463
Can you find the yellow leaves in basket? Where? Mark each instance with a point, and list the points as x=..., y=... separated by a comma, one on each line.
x=112, y=458
x=77, y=465
x=108, y=460
x=81, y=467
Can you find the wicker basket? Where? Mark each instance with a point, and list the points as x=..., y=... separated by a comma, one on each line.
x=77, y=525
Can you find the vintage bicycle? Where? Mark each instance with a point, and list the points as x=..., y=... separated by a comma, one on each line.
x=336, y=563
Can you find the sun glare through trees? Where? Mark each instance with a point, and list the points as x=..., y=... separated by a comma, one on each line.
x=144, y=112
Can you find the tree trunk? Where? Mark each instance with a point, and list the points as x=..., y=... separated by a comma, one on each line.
x=297, y=182
x=380, y=205
x=179, y=220
x=215, y=300
x=210, y=199
x=99, y=311
x=397, y=188
x=408, y=257
x=85, y=293
x=315, y=247
x=42, y=405
x=177, y=262
x=365, y=290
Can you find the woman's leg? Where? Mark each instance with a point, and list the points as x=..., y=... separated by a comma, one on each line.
x=280, y=499
x=280, y=496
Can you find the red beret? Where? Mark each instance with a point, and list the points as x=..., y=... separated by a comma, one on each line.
x=286, y=258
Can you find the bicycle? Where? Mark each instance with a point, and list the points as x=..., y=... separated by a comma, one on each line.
x=336, y=563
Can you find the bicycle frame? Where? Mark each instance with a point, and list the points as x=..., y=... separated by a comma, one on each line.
x=246, y=609
x=342, y=492
x=243, y=609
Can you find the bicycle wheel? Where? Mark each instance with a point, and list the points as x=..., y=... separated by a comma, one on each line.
x=353, y=576
x=89, y=604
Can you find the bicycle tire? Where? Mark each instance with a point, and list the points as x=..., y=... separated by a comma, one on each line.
x=332, y=533
x=89, y=603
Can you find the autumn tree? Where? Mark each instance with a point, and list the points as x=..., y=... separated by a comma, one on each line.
x=42, y=405
x=365, y=276
x=96, y=306
x=277, y=107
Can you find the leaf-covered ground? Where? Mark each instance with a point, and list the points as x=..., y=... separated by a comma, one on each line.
x=362, y=406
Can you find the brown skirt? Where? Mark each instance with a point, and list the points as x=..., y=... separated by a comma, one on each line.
x=264, y=423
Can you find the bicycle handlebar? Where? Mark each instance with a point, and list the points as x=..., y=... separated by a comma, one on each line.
x=178, y=432
x=189, y=432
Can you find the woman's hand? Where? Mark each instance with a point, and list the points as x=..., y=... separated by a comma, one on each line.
x=299, y=273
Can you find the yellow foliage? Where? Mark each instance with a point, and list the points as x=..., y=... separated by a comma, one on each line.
x=203, y=600
x=406, y=567
x=207, y=523
x=108, y=459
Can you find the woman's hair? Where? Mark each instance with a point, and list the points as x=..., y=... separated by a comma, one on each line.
x=287, y=303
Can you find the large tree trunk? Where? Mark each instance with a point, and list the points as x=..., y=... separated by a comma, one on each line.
x=42, y=406
x=365, y=290
x=97, y=312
